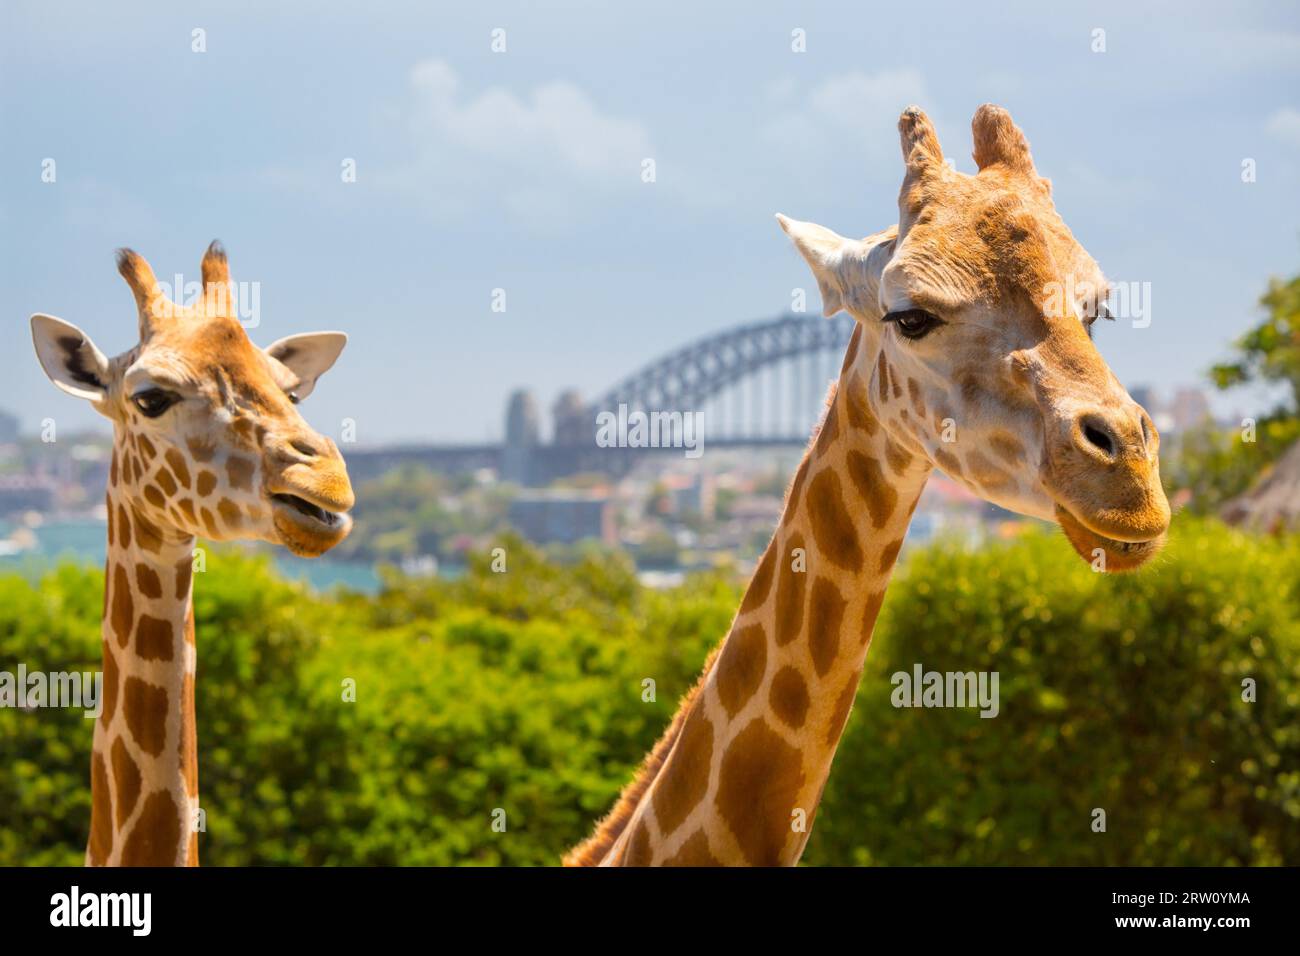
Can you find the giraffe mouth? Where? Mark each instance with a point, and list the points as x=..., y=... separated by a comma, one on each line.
x=305, y=507
x=1115, y=555
x=307, y=528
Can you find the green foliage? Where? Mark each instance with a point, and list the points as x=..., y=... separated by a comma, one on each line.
x=523, y=691
x=1122, y=693
x=1214, y=464
x=412, y=511
x=1270, y=352
x=45, y=754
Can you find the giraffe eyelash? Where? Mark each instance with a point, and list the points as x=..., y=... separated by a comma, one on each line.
x=913, y=324
x=1102, y=312
x=152, y=402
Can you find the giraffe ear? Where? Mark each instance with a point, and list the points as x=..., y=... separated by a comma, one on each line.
x=69, y=358
x=308, y=356
x=847, y=270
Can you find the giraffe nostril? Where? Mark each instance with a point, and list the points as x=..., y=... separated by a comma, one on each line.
x=1099, y=438
x=304, y=448
x=1097, y=435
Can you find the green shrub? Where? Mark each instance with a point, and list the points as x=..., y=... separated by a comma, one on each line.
x=1117, y=692
x=523, y=691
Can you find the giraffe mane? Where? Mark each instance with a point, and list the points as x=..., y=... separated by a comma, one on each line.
x=593, y=849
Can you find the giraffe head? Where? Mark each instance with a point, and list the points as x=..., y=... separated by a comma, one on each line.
x=975, y=343
x=208, y=437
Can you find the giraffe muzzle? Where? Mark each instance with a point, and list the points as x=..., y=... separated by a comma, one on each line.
x=1114, y=554
x=315, y=512
x=308, y=528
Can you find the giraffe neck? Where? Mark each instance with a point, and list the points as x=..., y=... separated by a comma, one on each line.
x=144, y=768
x=746, y=770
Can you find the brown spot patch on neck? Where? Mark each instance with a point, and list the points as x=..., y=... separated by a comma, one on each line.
x=877, y=492
x=898, y=457
x=593, y=850
x=854, y=341
x=126, y=781
x=859, y=413
x=639, y=852
x=757, y=788
x=694, y=852
x=832, y=525
x=788, y=696
x=761, y=583
x=110, y=684
x=156, y=837
x=684, y=781
x=122, y=615
x=793, y=497
x=184, y=571
x=825, y=618
x=844, y=704
x=146, y=579
x=154, y=639
x=101, y=816
x=830, y=428
x=789, y=592
x=145, y=708
x=741, y=667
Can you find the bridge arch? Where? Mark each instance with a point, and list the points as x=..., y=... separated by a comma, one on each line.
x=690, y=377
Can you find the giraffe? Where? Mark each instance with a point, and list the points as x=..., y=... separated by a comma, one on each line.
x=206, y=441
x=972, y=353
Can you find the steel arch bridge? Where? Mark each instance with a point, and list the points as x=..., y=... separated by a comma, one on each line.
x=787, y=363
x=703, y=374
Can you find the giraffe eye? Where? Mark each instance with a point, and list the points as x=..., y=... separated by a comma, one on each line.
x=152, y=402
x=914, y=323
x=293, y=397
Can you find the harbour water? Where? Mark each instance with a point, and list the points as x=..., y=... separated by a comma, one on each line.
x=30, y=550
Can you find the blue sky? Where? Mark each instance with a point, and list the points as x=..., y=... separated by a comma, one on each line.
x=522, y=171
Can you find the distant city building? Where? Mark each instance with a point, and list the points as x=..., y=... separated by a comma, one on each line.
x=1145, y=396
x=573, y=422
x=696, y=494
x=563, y=517
x=1189, y=408
x=523, y=434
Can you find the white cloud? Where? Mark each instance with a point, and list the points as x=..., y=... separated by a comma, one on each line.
x=556, y=123
x=548, y=158
x=842, y=131
x=850, y=98
x=853, y=109
x=1285, y=125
